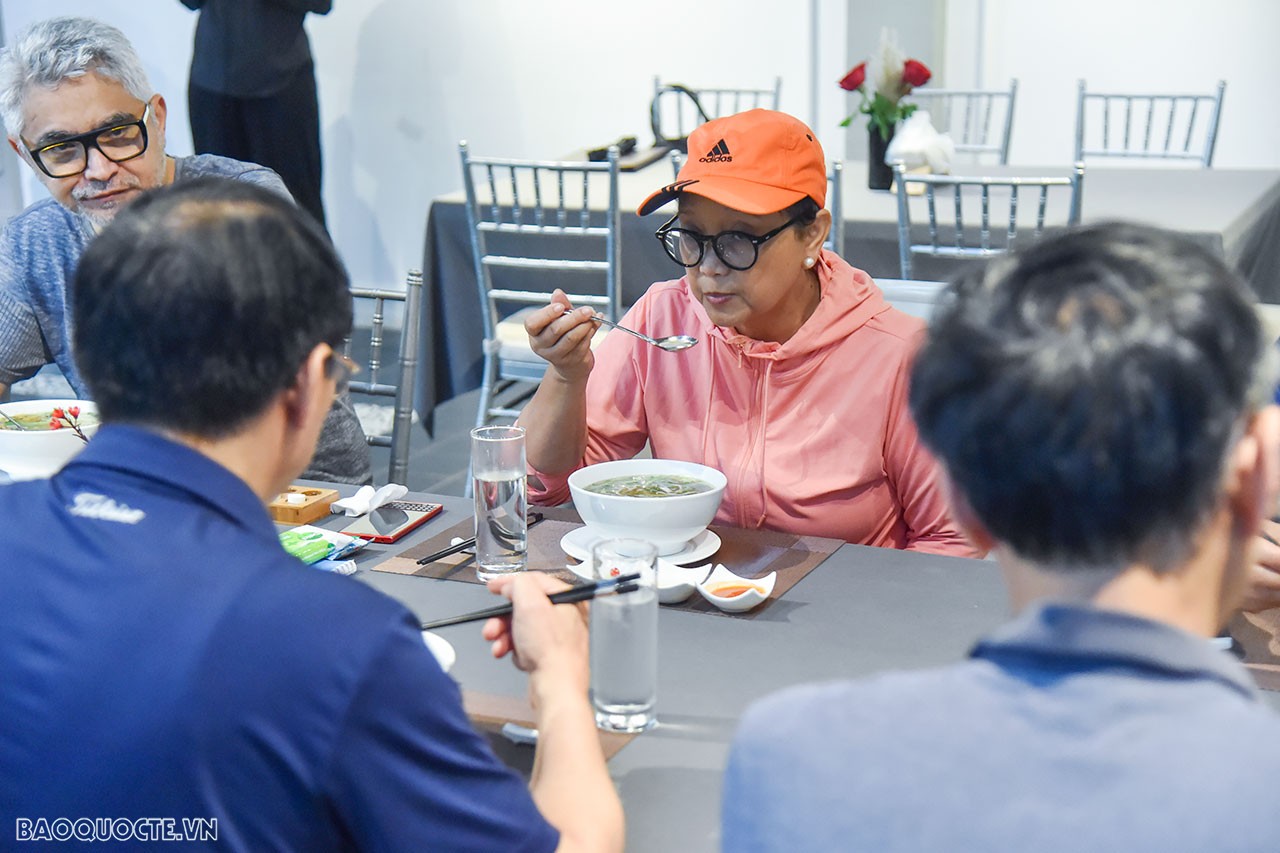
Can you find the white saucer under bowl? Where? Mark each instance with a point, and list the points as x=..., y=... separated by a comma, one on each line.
x=577, y=543
x=675, y=583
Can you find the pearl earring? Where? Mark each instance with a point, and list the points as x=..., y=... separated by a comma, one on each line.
x=808, y=263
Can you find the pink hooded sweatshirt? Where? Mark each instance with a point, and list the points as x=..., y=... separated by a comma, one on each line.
x=814, y=434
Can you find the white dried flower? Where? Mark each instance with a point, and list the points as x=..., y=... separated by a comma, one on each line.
x=884, y=69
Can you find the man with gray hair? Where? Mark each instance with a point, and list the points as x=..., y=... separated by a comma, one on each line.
x=80, y=112
x=1101, y=406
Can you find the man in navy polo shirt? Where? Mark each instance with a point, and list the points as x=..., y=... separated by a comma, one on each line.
x=167, y=672
x=1101, y=404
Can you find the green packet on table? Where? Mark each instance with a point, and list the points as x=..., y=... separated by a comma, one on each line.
x=311, y=544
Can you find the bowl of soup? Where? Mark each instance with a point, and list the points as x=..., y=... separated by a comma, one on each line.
x=664, y=501
x=30, y=445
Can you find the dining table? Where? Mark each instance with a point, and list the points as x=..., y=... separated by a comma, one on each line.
x=860, y=611
x=1235, y=212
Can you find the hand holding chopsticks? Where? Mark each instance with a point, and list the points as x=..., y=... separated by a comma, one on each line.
x=534, y=518
x=582, y=592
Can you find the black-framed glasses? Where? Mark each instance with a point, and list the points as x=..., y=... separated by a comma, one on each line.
x=341, y=368
x=738, y=250
x=117, y=142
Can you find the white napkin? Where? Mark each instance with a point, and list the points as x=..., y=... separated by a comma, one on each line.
x=366, y=500
x=917, y=143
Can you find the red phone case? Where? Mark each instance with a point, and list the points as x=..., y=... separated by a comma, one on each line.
x=412, y=524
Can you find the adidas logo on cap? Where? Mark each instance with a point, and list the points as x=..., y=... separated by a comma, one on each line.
x=718, y=154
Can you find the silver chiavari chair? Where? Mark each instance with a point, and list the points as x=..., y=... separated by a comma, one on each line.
x=373, y=380
x=992, y=231
x=1148, y=126
x=678, y=109
x=980, y=121
x=536, y=224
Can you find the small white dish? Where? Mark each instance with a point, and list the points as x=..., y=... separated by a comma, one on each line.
x=675, y=583
x=577, y=543
x=755, y=592
x=441, y=649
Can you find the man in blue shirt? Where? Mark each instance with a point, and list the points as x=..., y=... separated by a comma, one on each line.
x=1101, y=404
x=167, y=670
x=80, y=113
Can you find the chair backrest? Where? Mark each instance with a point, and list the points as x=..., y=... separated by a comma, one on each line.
x=835, y=188
x=678, y=109
x=528, y=219
x=394, y=378
x=980, y=121
x=1147, y=126
x=970, y=226
x=536, y=225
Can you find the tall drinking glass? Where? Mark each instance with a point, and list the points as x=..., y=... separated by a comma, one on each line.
x=498, y=479
x=624, y=638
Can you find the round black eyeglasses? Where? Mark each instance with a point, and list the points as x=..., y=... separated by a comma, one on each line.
x=738, y=250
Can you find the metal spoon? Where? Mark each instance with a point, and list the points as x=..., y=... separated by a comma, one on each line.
x=13, y=421
x=671, y=343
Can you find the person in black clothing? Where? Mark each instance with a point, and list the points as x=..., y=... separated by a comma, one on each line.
x=252, y=90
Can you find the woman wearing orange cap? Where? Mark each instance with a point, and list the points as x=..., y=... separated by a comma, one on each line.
x=797, y=388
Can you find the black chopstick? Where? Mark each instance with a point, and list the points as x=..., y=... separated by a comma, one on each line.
x=534, y=518
x=582, y=592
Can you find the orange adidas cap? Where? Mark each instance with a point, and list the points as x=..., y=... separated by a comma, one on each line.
x=756, y=162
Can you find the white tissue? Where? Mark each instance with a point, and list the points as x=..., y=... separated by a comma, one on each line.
x=917, y=143
x=366, y=499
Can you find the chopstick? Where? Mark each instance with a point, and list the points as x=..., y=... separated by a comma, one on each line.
x=534, y=518
x=582, y=592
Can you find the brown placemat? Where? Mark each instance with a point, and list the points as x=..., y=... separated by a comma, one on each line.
x=749, y=553
x=1259, y=635
x=755, y=553
x=488, y=712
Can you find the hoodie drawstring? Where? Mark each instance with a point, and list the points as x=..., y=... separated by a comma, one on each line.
x=764, y=426
x=708, y=408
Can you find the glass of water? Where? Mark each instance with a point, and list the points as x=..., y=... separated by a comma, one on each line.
x=624, y=638
x=498, y=480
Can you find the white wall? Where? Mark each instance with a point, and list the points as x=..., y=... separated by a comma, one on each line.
x=401, y=81
x=1124, y=45
x=919, y=25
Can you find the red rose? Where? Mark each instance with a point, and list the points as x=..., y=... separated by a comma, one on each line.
x=915, y=73
x=857, y=75
x=75, y=411
x=58, y=413
x=55, y=424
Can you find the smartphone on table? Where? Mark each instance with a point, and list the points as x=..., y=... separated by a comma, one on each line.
x=392, y=520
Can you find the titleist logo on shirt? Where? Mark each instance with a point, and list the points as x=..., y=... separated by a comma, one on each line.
x=89, y=505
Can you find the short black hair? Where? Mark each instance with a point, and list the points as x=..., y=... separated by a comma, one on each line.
x=806, y=210
x=200, y=302
x=1083, y=394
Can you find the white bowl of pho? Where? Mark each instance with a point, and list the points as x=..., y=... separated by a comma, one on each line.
x=664, y=501
x=31, y=446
